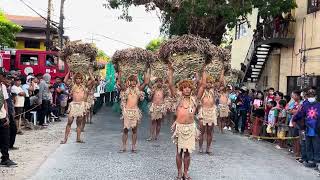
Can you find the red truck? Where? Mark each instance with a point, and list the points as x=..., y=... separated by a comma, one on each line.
x=30, y=61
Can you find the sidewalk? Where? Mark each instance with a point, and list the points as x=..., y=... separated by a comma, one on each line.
x=34, y=148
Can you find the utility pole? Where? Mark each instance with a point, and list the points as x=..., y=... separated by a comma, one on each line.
x=48, y=41
x=61, y=31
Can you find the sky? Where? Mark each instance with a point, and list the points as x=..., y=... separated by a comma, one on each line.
x=89, y=21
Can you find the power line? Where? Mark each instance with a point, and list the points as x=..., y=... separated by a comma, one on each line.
x=54, y=23
x=115, y=40
x=101, y=35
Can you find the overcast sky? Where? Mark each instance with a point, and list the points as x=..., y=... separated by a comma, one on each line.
x=88, y=19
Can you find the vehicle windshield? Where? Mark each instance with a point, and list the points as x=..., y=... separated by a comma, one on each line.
x=51, y=60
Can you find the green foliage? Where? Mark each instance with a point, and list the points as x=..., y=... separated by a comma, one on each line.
x=206, y=18
x=102, y=56
x=227, y=38
x=7, y=31
x=155, y=44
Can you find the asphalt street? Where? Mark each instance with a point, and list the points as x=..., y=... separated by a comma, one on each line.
x=235, y=157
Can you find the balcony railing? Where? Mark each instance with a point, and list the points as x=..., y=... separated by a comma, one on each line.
x=277, y=28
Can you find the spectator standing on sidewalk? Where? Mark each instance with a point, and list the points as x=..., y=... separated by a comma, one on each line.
x=11, y=114
x=19, y=98
x=44, y=98
x=243, y=107
x=258, y=112
x=59, y=90
x=293, y=106
x=310, y=112
x=4, y=125
x=28, y=88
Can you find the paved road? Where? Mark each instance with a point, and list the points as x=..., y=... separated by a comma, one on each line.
x=236, y=158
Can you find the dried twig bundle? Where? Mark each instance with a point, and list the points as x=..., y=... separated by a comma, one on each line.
x=77, y=47
x=133, y=60
x=185, y=44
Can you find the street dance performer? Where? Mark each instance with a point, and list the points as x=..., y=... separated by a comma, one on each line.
x=89, y=102
x=130, y=96
x=185, y=130
x=158, y=108
x=77, y=108
x=223, y=108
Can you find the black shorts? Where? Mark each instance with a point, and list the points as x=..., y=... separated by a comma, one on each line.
x=18, y=111
x=293, y=132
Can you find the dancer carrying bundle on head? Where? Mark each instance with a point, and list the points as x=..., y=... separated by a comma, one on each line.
x=131, y=93
x=158, y=108
x=185, y=130
x=208, y=114
x=77, y=108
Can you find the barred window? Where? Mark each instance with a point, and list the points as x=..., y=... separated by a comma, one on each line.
x=241, y=30
x=313, y=6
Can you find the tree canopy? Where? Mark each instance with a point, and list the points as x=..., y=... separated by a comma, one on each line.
x=154, y=44
x=206, y=18
x=7, y=31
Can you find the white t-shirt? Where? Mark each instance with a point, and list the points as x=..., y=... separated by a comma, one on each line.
x=3, y=112
x=97, y=93
x=19, y=99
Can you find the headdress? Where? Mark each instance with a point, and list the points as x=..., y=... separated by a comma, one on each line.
x=210, y=79
x=78, y=75
x=186, y=83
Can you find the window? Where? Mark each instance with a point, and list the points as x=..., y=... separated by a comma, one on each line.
x=29, y=59
x=1, y=61
x=296, y=83
x=51, y=60
x=241, y=30
x=32, y=44
x=313, y=6
x=61, y=66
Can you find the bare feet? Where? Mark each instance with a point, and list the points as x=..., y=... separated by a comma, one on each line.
x=63, y=142
x=209, y=152
x=122, y=150
x=134, y=149
x=79, y=141
x=186, y=177
x=150, y=139
x=180, y=176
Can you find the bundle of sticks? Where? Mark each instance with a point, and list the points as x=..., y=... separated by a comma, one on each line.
x=132, y=61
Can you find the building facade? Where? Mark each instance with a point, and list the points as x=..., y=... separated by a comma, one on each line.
x=33, y=34
x=284, y=51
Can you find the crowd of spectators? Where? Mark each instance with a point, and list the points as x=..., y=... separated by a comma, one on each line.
x=24, y=97
x=291, y=122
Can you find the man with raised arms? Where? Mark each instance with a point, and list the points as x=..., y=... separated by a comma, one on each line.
x=131, y=93
x=185, y=130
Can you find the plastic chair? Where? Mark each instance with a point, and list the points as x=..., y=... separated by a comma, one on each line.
x=34, y=117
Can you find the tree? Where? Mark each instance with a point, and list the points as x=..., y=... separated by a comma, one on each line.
x=206, y=18
x=102, y=59
x=154, y=44
x=7, y=31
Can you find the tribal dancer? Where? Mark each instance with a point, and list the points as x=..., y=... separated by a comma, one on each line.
x=89, y=101
x=158, y=108
x=208, y=114
x=185, y=130
x=130, y=96
x=224, y=108
x=77, y=108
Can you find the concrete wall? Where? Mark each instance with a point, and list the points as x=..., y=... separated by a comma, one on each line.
x=271, y=72
x=240, y=46
x=290, y=57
